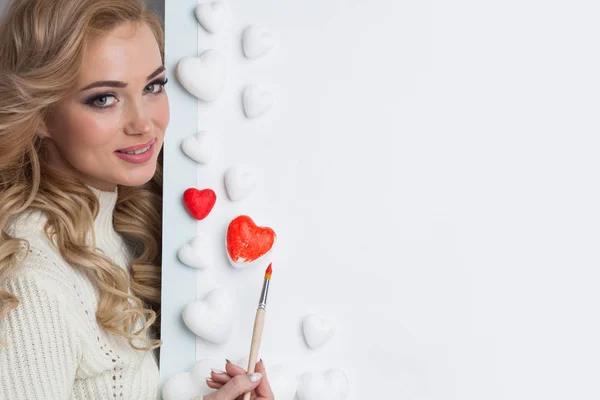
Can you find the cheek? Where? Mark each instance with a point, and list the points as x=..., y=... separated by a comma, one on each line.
x=162, y=114
x=86, y=132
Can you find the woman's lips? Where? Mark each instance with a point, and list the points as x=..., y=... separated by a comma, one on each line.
x=139, y=146
x=138, y=158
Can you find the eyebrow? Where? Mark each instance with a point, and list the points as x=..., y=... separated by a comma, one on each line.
x=120, y=84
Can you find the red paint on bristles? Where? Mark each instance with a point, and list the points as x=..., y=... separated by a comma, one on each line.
x=269, y=271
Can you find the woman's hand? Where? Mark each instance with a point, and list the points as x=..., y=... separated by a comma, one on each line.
x=232, y=383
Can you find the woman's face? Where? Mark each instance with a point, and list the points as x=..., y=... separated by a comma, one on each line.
x=111, y=129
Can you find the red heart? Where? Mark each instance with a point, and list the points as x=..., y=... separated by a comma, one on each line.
x=199, y=202
x=247, y=242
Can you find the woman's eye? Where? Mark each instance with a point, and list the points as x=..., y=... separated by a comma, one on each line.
x=153, y=88
x=156, y=86
x=103, y=101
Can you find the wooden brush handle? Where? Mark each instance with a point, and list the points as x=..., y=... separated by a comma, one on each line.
x=255, y=346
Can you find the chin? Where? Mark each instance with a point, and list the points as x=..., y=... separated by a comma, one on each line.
x=138, y=176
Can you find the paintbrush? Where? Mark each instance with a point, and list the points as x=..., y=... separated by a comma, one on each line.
x=259, y=322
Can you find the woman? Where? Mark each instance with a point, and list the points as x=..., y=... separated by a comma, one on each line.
x=83, y=113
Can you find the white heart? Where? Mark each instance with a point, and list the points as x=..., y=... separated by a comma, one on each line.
x=203, y=76
x=257, y=101
x=317, y=331
x=211, y=318
x=211, y=15
x=330, y=385
x=190, y=384
x=282, y=381
x=200, y=147
x=195, y=253
x=240, y=181
x=257, y=41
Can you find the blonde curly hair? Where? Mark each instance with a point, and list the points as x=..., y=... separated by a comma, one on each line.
x=42, y=43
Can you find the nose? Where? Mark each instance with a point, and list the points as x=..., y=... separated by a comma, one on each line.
x=138, y=121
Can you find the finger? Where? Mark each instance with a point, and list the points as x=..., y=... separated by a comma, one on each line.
x=253, y=397
x=234, y=370
x=264, y=389
x=237, y=386
x=219, y=376
x=213, y=384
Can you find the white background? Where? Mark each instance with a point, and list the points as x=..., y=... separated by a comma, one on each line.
x=430, y=168
x=431, y=172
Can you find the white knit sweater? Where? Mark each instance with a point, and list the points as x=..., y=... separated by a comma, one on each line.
x=54, y=348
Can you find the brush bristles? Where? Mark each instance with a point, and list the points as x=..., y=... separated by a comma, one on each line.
x=269, y=271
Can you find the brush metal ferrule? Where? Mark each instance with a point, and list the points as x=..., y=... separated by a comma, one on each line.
x=263, y=295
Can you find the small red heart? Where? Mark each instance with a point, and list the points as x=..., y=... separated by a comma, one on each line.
x=199, y=202
x=247, y=242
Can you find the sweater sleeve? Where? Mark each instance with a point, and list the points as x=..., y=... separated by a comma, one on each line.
x=39, y=357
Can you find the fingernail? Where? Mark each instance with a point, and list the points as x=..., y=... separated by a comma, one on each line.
x=263, y=363
x=209, y=379
x=228, y=362
x=255, y=377
x=217, y=371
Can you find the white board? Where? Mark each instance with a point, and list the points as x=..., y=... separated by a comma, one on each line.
x=430, y=169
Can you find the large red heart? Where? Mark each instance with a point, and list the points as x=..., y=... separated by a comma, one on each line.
x=247, y=242
x=199, y=202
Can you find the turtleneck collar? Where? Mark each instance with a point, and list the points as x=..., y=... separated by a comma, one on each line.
x=107, y=239
x=107, y=200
